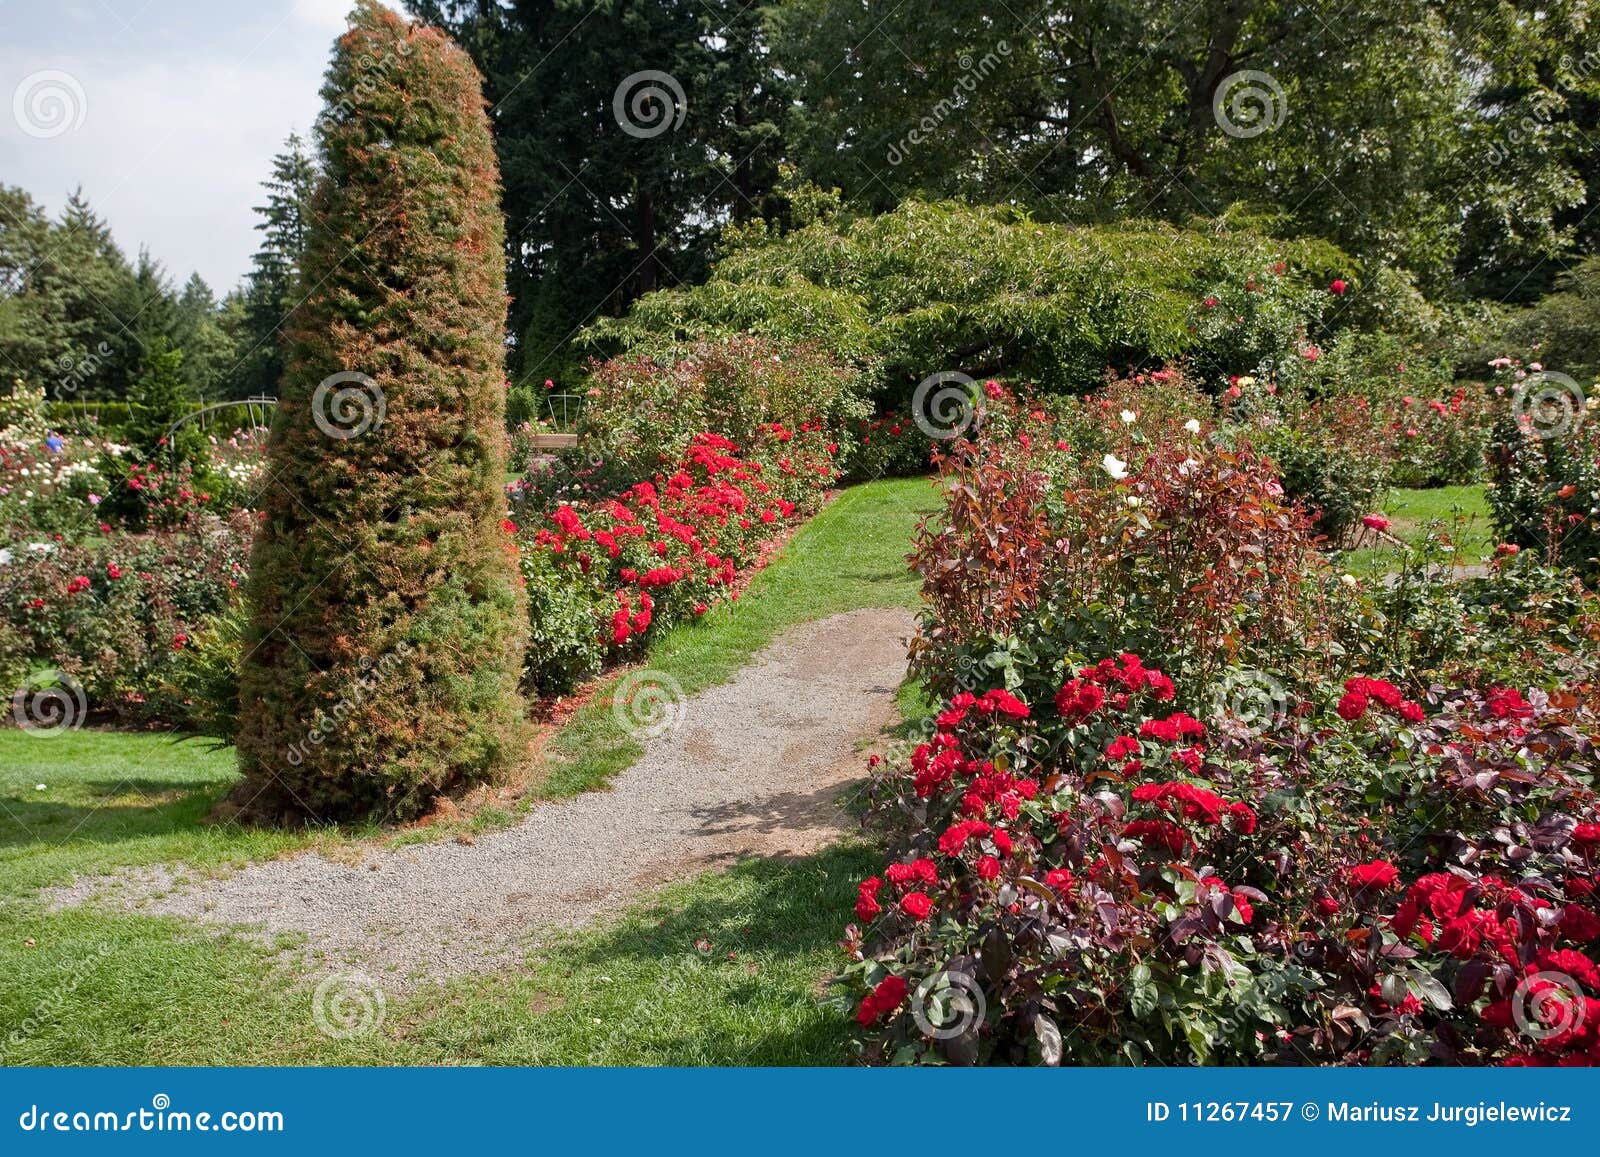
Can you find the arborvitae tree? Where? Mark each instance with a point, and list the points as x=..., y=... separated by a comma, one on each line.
x=387, y=618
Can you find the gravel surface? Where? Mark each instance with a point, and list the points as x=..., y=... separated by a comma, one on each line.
x=754, y=768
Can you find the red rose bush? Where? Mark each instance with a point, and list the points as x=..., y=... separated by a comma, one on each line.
x=1122, y=840
x=613, y=573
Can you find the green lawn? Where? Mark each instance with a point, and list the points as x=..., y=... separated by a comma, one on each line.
x=724, y=968
x=1461, y=512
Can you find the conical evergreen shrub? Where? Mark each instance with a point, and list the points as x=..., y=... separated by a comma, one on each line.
x=387, y=625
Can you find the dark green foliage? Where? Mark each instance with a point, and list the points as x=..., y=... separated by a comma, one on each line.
x=78, y=321
x=1329, y=459
x=164, y=398
x=933, y=287
x=598, y=215
x=387, y=633
x=1446, y=139
x=267, y=298
x=1547, y=487
x=1563, y=326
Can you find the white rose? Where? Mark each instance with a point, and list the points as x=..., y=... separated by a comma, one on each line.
x=1115, y=467
x=1129, y=416
x=1192, y=425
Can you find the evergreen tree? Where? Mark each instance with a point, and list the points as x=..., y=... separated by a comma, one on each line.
x=269, y=293
x=163, y=397
x=387, y=618
x=65, y=292
x=100, y=296
x=209, y=352
x=32, y=334
x=600, y=211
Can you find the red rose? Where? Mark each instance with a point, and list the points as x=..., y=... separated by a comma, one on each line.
x=1379, y=874
x=1159, y=833
x=988, y=869
x=1338, y=287
x=1058, y=878
x=886, y=997
x=1352, y=706
x=916, y=905
x=1579, y=925
x=1002, y=702
x=1122, y=747
x=1572, y=962
x=1508, y=703
x=867, y=906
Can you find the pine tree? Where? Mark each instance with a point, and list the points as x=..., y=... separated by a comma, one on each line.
x=164, y=398
x=387, y=618
x=209, y=352
x=269, y=292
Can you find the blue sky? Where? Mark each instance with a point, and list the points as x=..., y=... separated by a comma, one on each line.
x=183, y=103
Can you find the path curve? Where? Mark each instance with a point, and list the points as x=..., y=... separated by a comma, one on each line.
x=755, y=769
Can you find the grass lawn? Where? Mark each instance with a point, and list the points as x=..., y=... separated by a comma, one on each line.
x=724, y=968
x=1462, y=512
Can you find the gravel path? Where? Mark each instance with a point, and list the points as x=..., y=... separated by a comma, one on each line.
x=754, y=768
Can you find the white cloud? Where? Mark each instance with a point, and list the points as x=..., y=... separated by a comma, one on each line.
x=178, y=127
